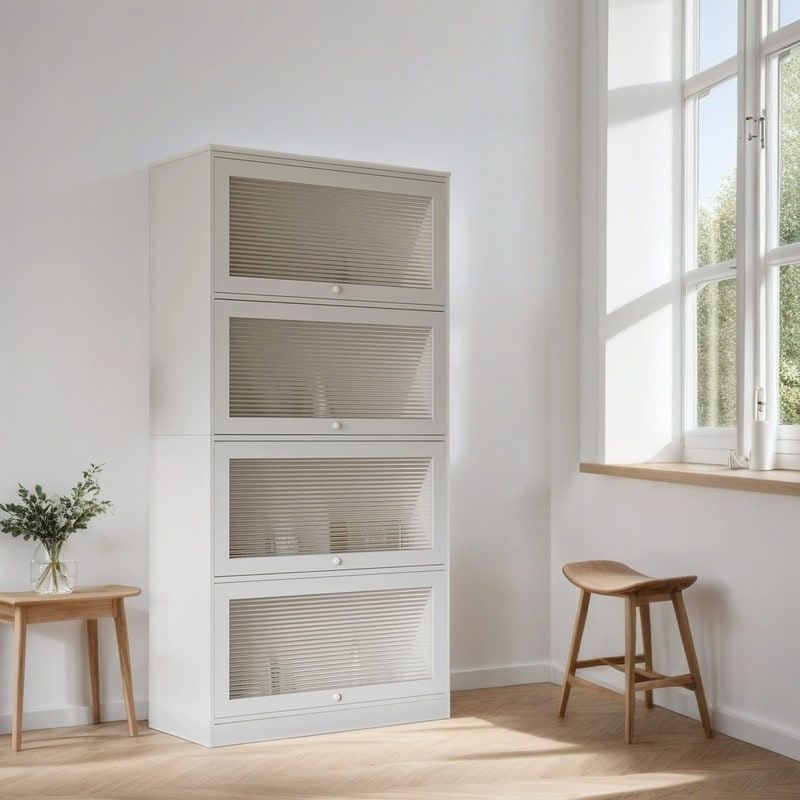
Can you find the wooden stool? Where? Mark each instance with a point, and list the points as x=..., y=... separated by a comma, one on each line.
x=21, y=609
x=618, y=580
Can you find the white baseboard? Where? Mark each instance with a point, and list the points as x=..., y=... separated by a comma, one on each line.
x=725, y=720
x=489, y=677
x=40, y=718
x=313, y=722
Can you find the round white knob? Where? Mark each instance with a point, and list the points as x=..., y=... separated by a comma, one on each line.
x=336, y=425
x=336, y=289
x=336, y=697
x=336, y=561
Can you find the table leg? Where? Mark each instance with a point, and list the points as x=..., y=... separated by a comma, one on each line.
x=94, y=667
x=121, y=626
x=20, y=631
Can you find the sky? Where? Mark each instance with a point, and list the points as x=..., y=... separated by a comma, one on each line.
x=718, y=31
x=790, y=11
x=716, y=154
x=716, y=147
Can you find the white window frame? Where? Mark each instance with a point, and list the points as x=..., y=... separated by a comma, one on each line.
x=758, y=259
x=776, y=42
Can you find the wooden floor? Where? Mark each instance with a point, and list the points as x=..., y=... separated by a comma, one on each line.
x=500, y=743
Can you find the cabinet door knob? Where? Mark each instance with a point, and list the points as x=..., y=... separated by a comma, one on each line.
x=336, y=561
x=336, y=289
x=336, y=425
x=336, y=697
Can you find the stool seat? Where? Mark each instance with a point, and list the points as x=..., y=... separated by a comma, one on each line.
x=616, y=578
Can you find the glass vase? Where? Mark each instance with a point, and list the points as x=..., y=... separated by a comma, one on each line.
x=53, y=569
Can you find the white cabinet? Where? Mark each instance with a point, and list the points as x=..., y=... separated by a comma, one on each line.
x=328, y=506
x=307, y=369
x=318, y=231
x=322, y=643
x=299, y=559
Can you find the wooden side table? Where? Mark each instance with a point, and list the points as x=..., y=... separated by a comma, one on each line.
x=21, y=609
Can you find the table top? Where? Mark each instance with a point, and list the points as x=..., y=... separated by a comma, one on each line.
x=81, y=594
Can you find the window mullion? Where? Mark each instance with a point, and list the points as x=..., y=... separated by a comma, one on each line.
x=769, y=235
x=781, y=39
x=710, y=77
x=750, y=300
x=715, y=272
x=783, y=254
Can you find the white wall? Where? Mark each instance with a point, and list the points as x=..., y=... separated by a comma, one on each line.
x=93, y=91
x=640, y=297
x=744, y=547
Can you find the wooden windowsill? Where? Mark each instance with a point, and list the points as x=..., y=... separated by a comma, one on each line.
x=777, y=481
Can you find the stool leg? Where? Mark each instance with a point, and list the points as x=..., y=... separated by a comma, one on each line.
x=630, y=666
x=94, y=667
x=647, y=646
x=691, y=660
x=574, y=648
x=20, y=635
x=121, y=626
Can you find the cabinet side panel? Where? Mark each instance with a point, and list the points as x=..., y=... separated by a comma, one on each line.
x=180, y=296
x=180, y=586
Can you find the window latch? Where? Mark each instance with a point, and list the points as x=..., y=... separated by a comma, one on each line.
x=762, y=133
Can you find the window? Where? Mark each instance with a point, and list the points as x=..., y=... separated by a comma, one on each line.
x=741, y=223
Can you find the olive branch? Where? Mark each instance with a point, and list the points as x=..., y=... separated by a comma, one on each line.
x=52, y=519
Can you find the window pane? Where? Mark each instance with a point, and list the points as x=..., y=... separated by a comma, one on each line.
x=716, y=174
x=717, y=32
x=790, y=11
x=716, y=354
x=789, y=148
x=789, y=331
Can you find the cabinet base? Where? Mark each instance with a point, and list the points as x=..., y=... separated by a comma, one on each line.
x=330, y=721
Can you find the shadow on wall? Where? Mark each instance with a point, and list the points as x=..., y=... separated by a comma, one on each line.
x=640, y=313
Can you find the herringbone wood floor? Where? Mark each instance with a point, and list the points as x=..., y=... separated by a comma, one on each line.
x=500, y=744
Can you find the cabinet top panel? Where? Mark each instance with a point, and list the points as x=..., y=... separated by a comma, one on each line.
x=293, y=159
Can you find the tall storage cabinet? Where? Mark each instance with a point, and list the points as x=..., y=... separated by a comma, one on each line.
x=298, y=481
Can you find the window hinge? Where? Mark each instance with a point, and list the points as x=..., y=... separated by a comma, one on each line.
x=762, y=133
